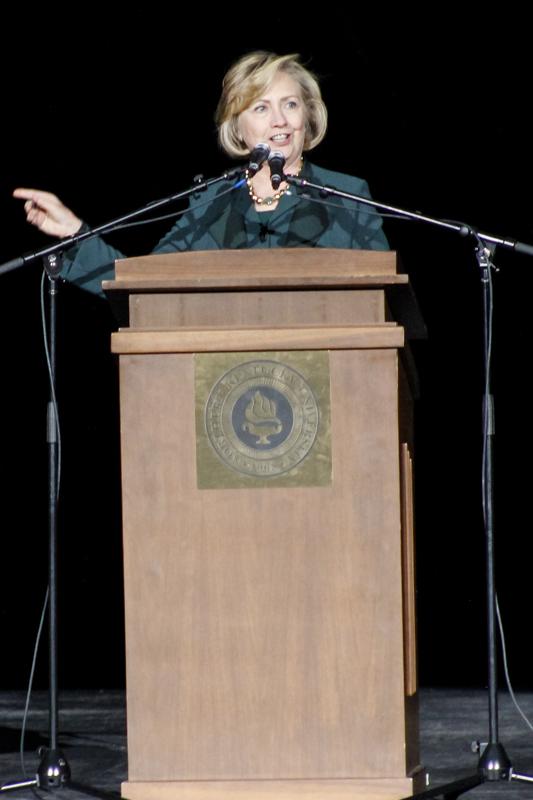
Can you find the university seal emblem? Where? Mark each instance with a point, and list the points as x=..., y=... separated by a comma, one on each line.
x=262, y=418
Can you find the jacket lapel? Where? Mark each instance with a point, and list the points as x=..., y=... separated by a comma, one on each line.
x=226, y=220
x=308, y=220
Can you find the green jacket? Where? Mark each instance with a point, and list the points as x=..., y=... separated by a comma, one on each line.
x=221, y=219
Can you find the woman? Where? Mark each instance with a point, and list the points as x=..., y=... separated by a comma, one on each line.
x=265, y=98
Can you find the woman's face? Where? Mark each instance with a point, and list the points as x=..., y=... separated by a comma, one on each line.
x=277, y=118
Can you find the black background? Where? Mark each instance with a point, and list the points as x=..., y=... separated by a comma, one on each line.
x=433, y=110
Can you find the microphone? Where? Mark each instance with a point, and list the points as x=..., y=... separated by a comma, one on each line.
x=276, y=162
x=258, y=156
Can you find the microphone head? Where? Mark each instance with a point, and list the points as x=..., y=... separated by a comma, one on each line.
x=277, y=157
x=276, y=162
x=257, y=158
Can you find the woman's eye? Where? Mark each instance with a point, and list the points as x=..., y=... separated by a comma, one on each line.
x=259, y=108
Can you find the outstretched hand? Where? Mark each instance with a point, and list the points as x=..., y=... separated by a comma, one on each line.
x=48, y=213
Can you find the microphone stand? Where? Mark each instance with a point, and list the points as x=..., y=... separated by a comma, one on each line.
x=54, y=771
x=493, y=764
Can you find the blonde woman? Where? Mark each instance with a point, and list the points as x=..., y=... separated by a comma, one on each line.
x=266, y=98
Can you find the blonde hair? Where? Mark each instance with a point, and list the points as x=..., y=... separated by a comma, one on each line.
x=248, y=79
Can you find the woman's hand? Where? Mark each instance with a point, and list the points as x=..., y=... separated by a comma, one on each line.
x=47, y=212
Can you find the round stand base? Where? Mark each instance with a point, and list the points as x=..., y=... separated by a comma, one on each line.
x=53, y=771
x=494, y=763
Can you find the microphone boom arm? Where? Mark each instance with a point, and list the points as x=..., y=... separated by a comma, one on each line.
x=462, y=229
x=69, y=241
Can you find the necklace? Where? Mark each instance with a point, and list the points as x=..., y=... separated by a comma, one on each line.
x=268, y=201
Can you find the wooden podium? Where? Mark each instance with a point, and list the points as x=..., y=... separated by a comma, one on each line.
x=269, y=582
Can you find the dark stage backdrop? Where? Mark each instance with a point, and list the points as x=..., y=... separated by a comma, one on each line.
x=434, y=114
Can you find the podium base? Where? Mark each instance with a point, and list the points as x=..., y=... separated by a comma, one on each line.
x=335, y=789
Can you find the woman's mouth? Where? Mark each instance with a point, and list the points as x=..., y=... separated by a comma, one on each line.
x=280, y=138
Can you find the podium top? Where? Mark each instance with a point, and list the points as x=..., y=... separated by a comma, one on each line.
x=267, y=269
x=277, y=269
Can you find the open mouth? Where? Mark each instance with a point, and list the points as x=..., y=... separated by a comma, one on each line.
x=280, y=138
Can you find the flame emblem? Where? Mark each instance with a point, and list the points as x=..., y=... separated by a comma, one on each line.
x=261, y=418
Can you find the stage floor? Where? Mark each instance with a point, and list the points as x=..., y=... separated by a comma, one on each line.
x=92, y=734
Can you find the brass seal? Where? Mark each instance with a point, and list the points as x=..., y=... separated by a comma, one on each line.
x=262, y=418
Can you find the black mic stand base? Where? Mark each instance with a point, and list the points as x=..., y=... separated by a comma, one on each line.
x=493, y=765
x=52, y=773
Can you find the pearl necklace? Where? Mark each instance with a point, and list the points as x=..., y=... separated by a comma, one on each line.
x=268, y=201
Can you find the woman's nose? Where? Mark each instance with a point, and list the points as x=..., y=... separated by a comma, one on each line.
x=278, y=118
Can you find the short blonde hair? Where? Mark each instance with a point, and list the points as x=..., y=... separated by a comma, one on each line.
x=248, y=79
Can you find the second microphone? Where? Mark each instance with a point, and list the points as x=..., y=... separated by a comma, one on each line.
x=276, y=162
